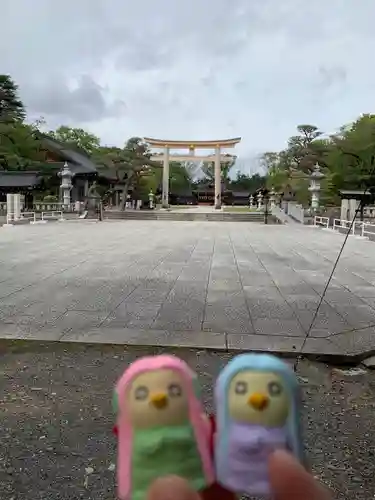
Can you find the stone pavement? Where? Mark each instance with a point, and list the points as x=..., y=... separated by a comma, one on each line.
x=194, y=284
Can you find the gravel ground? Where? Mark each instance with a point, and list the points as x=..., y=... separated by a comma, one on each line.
x=56, y=421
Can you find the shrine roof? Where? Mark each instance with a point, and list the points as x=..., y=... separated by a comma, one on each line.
x=79, y=162
x=19, y=179
x=355, y=194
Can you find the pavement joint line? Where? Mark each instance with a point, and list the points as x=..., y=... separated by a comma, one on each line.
x=208, y=282
x=184, y=265
x=44, y=279
x=241, y=281
x=159, y=262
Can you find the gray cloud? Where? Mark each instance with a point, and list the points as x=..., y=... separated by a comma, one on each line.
x=190, y=70
x=84, y=100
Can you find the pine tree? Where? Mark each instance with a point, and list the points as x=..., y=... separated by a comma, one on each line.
x=11, y=106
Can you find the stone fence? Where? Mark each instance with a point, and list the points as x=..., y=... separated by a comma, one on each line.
x=281, y=216
x=294, y=210
x=306, y=215
x=42, y=207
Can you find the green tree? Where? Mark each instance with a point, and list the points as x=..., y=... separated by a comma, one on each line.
x=11, y=106
x=351, y=158
x=208, y=169
x=76, y=138
x=180, y=178
x=20, y=148
x=301, y=148
x=244, y=182
x=127, y=166
x=290, y=169
x=347, y=159
x=269, y=161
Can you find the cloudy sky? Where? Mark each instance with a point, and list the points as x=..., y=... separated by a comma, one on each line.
x=194, y=69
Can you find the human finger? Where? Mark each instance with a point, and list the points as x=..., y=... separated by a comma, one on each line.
x=290, y=481
x=171, y=488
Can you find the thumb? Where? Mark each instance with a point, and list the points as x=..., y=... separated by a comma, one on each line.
x=171, y=488
x=290, y=481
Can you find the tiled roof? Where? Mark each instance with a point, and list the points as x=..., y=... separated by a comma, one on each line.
x=19, y=179
x=79, y=163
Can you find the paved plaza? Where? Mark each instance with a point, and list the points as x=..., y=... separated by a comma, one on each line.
x=195, y=284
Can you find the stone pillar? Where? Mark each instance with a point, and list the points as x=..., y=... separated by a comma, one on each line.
x=260, y=202
x=165, y=197
x=344, y=212
x=17, y=206
x=217, y=179
x=251, y=201
x=272, y=198
x=10, y=206
x=353, y=207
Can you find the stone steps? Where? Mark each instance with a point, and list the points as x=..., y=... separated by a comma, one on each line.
x=186, y=216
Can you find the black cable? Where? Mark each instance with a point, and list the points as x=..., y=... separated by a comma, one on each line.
x=359, y=208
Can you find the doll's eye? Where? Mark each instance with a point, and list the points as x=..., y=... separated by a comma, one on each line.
x=275, y=389
x=141, y=393
x=240, y=388
x=174, y=390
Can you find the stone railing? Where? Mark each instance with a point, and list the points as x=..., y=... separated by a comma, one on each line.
x=48, y=207
x=43, y=207
x=282, y=216
x=357, y=228
x=296, y=211
x=3, y=207
x=290, y=212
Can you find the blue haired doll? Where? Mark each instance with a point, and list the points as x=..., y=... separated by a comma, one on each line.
x=257, y=410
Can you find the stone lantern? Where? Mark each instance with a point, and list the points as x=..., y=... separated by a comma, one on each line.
x=66, y=184
x=272, y=198
x=315, y=180
x=260, y=201
x=151, y=197
x=251, y=201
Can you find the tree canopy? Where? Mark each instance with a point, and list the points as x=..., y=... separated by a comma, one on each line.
x=11, y=106
x=20, y=148
x=346, y=158
x=127, y=165
x=76, y=138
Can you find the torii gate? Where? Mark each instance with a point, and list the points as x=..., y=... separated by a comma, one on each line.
x=217, y=158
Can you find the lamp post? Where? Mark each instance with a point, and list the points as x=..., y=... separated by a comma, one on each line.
x=265, y=195
x=151, y=199
x=272, y=198
x=251, y=201
x=66, y=184
x=315, y=180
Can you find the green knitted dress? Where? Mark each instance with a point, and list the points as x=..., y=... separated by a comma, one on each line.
x=162, y=451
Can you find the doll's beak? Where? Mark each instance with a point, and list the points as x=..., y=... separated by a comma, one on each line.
x=159, y=400
x=258, y=401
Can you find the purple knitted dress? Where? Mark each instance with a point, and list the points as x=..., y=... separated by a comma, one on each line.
x=249, y=448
